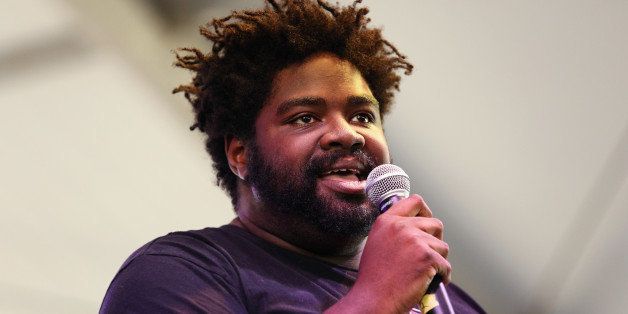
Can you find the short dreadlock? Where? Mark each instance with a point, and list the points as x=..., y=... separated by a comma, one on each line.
x=233, y=81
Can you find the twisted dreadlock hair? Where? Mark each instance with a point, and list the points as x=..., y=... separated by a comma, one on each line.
x=234, y=79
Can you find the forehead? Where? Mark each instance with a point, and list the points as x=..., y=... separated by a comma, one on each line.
x=322, y=75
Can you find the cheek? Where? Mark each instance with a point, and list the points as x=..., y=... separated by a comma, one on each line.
x=376, y=145
x=290, y=151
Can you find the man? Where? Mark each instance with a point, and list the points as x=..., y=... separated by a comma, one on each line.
x=292, y=99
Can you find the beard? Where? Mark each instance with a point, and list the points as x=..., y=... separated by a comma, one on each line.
x=290, y=194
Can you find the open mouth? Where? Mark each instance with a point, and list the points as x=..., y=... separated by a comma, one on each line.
x=352, y=174
x=345, y=178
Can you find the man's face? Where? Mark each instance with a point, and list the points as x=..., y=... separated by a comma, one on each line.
x=317, y=138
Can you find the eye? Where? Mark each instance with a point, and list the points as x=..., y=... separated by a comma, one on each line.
x=304, y=119
x=363, y=118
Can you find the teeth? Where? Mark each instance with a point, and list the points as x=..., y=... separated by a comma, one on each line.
x=354, y=171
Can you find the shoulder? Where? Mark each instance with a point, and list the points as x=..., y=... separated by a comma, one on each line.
x=189, y=271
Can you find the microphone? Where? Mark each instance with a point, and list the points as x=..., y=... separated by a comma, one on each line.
x=385, y=185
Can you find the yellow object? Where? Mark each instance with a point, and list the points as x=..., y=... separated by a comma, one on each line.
x=428, y=302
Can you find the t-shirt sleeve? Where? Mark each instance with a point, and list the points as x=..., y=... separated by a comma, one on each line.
x=170, y=284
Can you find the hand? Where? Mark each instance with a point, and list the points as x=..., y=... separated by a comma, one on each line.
x=403, y=253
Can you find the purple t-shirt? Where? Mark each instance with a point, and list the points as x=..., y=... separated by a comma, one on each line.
x=229, y=270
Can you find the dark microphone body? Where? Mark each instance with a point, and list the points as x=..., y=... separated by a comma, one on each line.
x=385, y=185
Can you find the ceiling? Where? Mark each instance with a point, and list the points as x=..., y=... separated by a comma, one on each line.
x=514, y=127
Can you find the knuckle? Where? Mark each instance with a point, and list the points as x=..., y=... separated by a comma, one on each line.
x=418, y=198
x=425, y=255
x=438, y=223
x=414, y=200
x=417, y=243
x=396, y=226
x=422, y=258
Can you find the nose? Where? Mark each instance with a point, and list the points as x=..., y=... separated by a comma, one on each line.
x=341, y=135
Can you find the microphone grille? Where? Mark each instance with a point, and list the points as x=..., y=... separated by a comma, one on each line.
x=386, y=180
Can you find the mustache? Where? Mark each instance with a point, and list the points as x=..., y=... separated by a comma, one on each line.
x=321, y=163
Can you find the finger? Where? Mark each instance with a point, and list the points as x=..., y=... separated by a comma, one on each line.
x=443, y=268
x=439, y=246
x=412, y=206
x=432, y=226
x=439, y=264
x=425, y=210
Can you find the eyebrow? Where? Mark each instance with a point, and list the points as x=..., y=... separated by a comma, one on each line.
x=363, y=100
x=319, y=102
x=303, y=101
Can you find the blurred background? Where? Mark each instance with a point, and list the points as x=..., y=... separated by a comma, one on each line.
x=514, y=127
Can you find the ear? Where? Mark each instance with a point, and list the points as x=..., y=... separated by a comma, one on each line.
x=236, y=152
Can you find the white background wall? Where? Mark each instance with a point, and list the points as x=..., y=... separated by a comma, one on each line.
x=514, y=127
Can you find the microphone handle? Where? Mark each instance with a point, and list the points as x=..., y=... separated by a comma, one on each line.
x=431, y=293
x=390, y=201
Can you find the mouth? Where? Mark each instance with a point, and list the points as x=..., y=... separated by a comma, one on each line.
x=351, y=174
x=346, y=177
